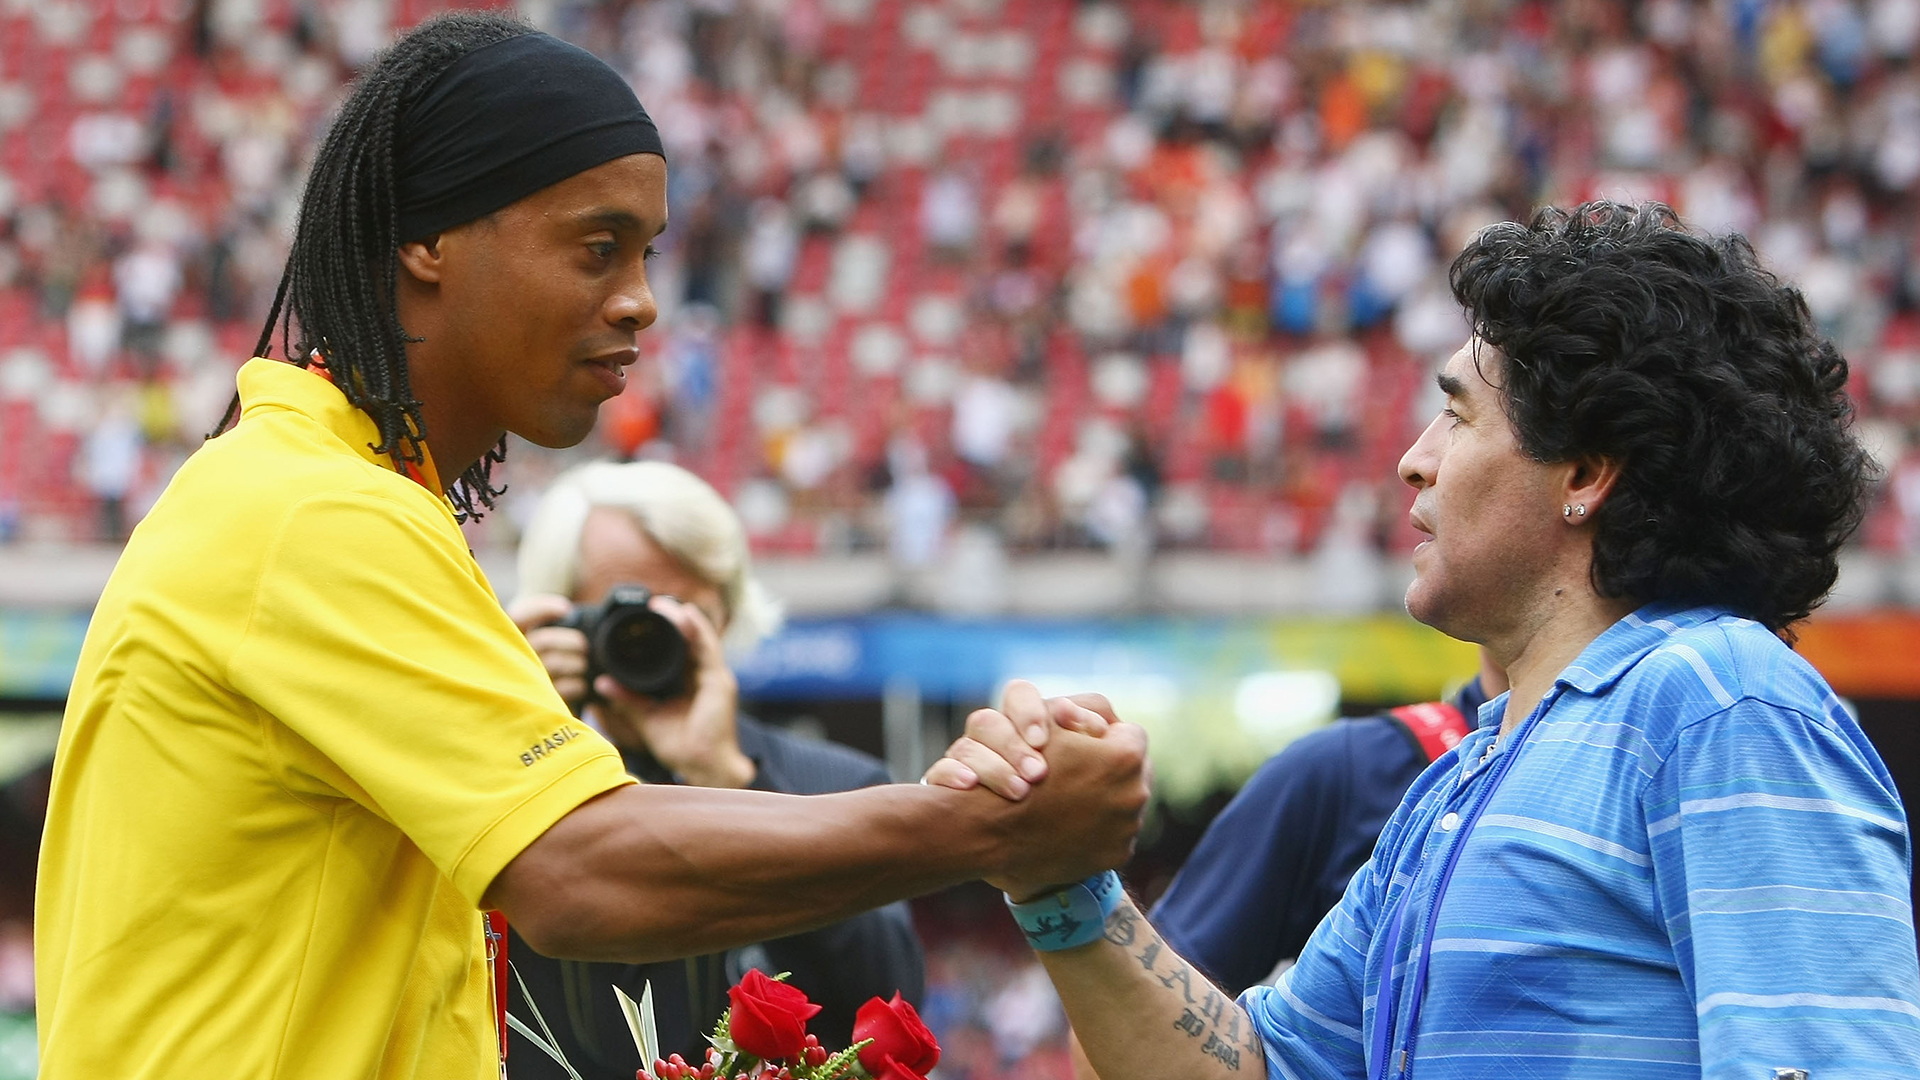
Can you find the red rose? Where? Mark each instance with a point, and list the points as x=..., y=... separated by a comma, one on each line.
x=902, y=1047
x=769, y=1018
x=893, y=1070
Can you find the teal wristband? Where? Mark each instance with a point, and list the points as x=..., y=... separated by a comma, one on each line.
x=1074, y=916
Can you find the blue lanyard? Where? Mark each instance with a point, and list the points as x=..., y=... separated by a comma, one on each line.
x=1383, y=1002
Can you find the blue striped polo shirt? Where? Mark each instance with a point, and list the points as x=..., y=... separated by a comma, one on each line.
x=1694, y=866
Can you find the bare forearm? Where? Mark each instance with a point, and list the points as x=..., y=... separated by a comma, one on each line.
x=647, y=873
x=1143, y=1013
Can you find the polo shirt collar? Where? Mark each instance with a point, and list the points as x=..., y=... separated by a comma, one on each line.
x=1609, y=657
x=275, y=384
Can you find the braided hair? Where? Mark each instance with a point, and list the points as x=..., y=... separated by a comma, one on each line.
x=341, y=276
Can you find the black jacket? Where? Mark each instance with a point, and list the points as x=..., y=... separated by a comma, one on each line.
x=839, y=966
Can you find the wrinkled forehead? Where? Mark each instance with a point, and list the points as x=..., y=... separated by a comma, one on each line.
x=1475, y=372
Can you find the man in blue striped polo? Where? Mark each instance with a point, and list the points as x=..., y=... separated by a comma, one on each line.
x=1668, y=851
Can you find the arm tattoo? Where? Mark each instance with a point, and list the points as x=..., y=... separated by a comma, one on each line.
x=1183, y=975
x=1214, y=1015
x=1149, y=955
x=1222, y=1051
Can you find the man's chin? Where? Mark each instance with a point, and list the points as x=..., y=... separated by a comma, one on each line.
x=560, y=436
x=1420, y=604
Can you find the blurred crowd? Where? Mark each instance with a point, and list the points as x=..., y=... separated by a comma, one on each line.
x=1023, y=275
x=988, y=1002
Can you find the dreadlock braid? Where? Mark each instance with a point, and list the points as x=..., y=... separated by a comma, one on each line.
x=342, y=272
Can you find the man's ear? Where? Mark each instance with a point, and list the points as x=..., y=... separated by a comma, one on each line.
x=1590, y=480
x=422, y=259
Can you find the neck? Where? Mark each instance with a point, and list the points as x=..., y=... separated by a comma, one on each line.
x=456, y=445
x=442, y=384
x=454, y=451
x=1536, y=657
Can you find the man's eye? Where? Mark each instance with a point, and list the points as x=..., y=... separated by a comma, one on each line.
x=651, y=251
x=1452, y=417
x=603, y=249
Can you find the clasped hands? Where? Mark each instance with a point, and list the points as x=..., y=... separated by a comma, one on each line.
x=1078, y=772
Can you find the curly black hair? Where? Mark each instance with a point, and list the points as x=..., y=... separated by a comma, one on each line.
x=341, y=274
x=1623, y=335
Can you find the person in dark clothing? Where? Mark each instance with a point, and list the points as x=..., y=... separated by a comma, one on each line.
x=659, y=526
x=1277, y=859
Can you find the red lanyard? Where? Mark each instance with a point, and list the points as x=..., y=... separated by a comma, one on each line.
x=497, y=956
x=496, y=922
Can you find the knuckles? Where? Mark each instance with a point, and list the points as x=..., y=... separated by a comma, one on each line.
x=984, y=723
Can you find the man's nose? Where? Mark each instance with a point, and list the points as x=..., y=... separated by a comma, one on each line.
x=632, y=305
x=1421, y=462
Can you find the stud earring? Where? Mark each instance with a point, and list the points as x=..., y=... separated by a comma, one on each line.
x=1566, y=511
x=1580, y=510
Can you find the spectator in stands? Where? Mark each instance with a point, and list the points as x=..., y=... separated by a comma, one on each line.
x=950, y=213
x=767, y=260
x=659, y=526
x=919, y=506
x=109, y=465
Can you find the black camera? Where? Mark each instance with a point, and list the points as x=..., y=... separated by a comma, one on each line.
x=635, y=644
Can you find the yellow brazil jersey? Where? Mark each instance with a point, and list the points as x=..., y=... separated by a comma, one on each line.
x=300, y=744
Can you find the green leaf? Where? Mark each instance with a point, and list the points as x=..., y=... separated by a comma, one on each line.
x=838, y=1065
x=551, y=1045
x=549, y=1049
x=722, y=1037
x=646, y=1037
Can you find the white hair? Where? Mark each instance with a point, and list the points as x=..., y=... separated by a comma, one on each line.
x=676, y=509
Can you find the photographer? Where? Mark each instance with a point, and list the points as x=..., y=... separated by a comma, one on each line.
x=603, y=528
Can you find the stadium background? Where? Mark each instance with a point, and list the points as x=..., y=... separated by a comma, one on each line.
x=1070, y=340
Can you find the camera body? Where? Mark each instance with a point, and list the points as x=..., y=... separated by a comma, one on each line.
x=635, y=644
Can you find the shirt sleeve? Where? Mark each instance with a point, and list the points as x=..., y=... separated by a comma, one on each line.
x=1781, y=864
x=1311, y=1020
x=1314, y=1021
x=1246, y=898
x=389, y=675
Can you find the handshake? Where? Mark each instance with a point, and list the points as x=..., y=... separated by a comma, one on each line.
x=1071, y=780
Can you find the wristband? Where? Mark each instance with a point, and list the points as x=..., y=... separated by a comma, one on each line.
x=1074, y=916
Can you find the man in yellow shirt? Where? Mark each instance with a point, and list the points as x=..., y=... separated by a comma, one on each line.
x=305, y=748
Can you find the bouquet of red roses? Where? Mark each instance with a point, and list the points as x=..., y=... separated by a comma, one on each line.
x=763, y=1034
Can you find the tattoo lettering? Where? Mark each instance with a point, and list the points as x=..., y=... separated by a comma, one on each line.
x=1222, y=1051
x=1180, y=975
x=1149, y=955
x=1214, y=1016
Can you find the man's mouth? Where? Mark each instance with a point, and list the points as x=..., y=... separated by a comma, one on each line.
x=611, y=369
x=615, y=361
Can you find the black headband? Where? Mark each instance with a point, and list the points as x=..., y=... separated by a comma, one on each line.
x=506, y=120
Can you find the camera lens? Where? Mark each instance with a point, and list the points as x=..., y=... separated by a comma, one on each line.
x=645, y=652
